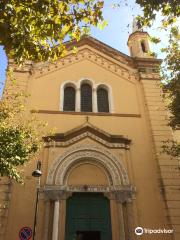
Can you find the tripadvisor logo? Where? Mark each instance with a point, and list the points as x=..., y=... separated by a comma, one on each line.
x=139, y=231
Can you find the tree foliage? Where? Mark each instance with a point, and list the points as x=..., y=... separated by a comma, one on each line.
x=20, y=134
x=169, y=8
x=27, y=27
x=170, y=73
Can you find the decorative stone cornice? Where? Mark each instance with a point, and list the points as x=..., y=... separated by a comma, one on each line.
x=122, y=69
x=147, y=63
x=86, y=53
x=87, y=130
x=150, y=76
x=81, y=188
x=127, y=115
x=101, y=47
x=56, y=193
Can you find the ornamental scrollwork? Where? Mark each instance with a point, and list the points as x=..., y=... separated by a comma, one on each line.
x=100, y=160
x=77, y=148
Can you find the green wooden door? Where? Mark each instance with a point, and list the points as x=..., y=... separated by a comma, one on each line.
x=88, y=212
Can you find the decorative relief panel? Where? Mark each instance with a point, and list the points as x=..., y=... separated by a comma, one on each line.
x=89, y=189
x=65, y=187
x=121, y=153
x=53, y=151
x=71, y=150
x=124, y=194
x=93, y=56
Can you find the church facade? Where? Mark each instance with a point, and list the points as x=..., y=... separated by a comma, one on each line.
x=101, y=176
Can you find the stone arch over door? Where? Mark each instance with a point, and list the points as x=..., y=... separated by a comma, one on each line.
x=90, y=148
x=88, y=157
x=68, y=160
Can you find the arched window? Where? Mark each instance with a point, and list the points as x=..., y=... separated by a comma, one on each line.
x=102, y=99
x=143, y=47
x=86, y=98
x=69, y=99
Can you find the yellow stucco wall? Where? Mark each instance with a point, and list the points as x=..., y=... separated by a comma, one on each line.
x=128, y=98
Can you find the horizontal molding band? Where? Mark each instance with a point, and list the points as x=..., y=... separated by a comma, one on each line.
x=87, y=113
x=146, y=78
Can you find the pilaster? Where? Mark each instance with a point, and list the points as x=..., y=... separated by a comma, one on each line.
x=166, y=167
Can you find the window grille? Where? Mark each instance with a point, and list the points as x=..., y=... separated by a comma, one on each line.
x=102, y=99
x=86, y=98
x=69, y=99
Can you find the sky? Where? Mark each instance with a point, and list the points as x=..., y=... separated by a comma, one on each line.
x=116, y=34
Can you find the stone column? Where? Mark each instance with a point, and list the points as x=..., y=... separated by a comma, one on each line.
x=124, y=196
x=54, y=195
x=94, y=100
x=130, y=221
x=78, y=101
x=55, y=221
x=121, y=221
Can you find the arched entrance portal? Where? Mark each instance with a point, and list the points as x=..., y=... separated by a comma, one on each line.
x=100, y=169
x=88, y=214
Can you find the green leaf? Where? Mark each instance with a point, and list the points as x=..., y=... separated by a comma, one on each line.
x=75, y=50
x=104, y=24
x=154, y=40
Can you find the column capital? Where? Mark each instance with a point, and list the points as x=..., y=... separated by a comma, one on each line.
x=54, y=195
x=66, y=195
x=109, y=195
x=123, y=196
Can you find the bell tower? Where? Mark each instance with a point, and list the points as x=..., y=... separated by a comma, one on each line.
x=138, y=42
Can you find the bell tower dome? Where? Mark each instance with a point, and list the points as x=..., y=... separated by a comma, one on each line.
x=138, y=42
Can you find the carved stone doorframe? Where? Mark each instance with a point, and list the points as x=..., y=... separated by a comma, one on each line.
x=94, y=151
x=121, y=196
x=56, y=196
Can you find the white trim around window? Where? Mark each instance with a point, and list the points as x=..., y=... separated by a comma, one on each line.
x=95, y=87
